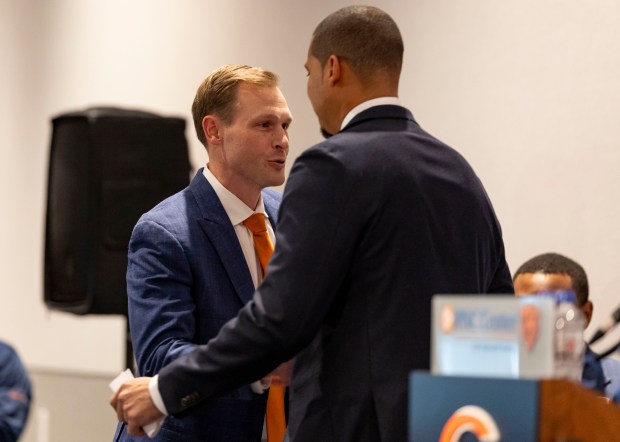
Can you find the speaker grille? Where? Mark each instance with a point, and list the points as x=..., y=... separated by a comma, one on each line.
x=107, y=166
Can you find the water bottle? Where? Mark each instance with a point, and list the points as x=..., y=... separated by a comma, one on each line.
x=569, y=345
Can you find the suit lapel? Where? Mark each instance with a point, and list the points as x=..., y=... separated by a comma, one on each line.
x=217, y=227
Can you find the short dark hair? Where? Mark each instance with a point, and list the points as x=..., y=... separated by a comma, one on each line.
x=364, y=36
x=549, y=263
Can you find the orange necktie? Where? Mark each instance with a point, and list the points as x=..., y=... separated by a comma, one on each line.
x=276, y=421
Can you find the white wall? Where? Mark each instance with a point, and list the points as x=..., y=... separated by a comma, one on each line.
x=527, y=90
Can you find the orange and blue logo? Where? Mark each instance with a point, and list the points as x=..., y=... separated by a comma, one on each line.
x=470, y=419
x=447, y=319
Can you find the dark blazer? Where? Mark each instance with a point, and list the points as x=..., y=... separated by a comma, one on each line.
x=186, y=277
x=374, y=221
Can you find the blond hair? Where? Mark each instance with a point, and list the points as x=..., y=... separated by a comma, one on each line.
x=216, y=94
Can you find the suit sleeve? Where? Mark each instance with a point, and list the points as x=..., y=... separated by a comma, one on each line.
x=316, y=238
x=161, y=307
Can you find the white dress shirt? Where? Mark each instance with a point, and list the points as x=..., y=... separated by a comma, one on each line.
x=381, y=101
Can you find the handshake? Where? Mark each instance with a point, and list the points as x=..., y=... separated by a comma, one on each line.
x=134, y=404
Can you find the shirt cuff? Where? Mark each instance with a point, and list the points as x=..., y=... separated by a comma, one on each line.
x=156, y=395
x=259, y=387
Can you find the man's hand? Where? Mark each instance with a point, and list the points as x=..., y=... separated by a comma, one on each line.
x=134, y=406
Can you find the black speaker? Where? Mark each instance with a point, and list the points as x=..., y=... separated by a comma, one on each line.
x=107, y=166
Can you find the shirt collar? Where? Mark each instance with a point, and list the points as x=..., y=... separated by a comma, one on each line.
x=236, y=209
x=381, y=101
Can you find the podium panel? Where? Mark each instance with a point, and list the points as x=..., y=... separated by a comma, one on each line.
x=469, y=409
x=512, y=405
x=573, y=413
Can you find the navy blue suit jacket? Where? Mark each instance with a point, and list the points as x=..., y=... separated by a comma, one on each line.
x=374, y=221
x=186, y=278
x=15, y=394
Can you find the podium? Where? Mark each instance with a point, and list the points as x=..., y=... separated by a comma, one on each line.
x=464, y=409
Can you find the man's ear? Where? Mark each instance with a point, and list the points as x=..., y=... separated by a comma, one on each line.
x=211, y=127
x=587, y=310
x=334, y=69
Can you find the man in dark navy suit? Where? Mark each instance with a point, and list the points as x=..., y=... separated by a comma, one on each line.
x=374, y=221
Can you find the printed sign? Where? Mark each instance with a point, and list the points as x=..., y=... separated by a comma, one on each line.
x=492, y=335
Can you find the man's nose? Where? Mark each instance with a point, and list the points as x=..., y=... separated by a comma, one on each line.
x=282, y=139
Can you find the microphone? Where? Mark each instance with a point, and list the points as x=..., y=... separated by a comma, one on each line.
x=606, y=326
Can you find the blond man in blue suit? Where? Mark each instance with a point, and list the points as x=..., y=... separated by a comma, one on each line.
x=192, y=264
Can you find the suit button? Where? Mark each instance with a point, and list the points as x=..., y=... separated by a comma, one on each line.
x=190, y=400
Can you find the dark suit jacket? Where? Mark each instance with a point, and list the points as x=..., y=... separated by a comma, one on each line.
x=186, y=278
x=374, y=221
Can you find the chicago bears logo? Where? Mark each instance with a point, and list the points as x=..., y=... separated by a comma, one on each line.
x=470, y=419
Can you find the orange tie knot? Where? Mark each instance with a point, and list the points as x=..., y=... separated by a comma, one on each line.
x=256, y=223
